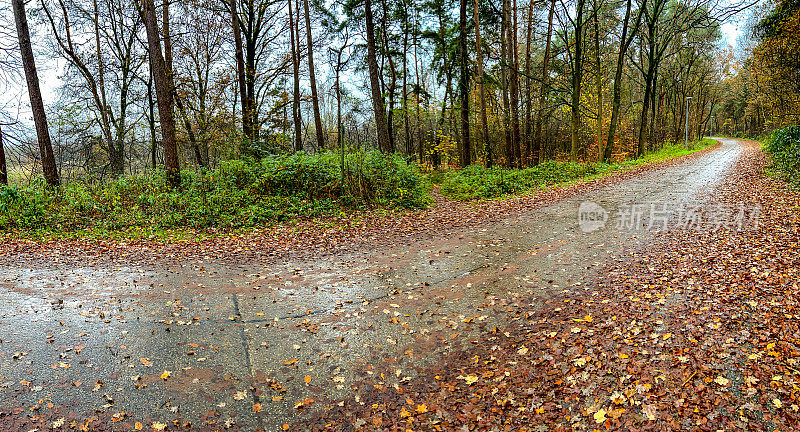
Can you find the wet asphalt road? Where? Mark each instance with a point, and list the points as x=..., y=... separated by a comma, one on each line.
x=91, y=340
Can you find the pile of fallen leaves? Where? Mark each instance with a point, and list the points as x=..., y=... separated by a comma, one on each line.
x=700, y=333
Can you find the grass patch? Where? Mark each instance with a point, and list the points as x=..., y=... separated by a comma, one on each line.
x=478, y=182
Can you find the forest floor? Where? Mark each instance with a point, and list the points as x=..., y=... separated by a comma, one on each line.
x=498, y=315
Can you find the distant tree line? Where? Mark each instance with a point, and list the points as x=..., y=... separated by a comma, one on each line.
x=186, y=83
x=762, y=92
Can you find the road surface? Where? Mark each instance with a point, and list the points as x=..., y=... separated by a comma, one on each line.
x=251, y=346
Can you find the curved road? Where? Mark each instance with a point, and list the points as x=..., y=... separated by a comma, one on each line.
x=98, y=341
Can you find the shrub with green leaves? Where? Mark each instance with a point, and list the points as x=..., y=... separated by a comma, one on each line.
x=478, y=182
x=784, y=145
x=238, y=193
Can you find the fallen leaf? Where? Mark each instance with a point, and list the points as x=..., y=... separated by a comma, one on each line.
x=600, y=416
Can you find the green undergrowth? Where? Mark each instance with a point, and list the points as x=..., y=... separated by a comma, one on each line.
x=478, y=182
x=241, y=195
x=784, y=146
x=237, y=194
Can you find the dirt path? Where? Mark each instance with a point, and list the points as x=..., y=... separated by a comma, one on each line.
x=257, y=346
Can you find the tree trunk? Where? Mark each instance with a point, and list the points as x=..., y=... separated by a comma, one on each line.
x=37, y=104
x=598, y=80
x=3, y=166
x=481, y=88
x=163, y=94
x=420, y=141
x=514, y=85
x=312, y=77
x=240, y=73
x=463, y=85
x=171, y=79
x=198, y=156
x=116, y=155
x=504, y=78
x=645, y=105
x=577, y=75
x=528, y=98
x=339, y=126
x=298, y=122
x=374, y=80
x=151, y=120
x=393, y=80
x=408, y=144
x=624, y=43
x=538, y=145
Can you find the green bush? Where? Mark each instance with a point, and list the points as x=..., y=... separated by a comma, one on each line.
x=784, y=145
x=238, y=193
x=477, y=182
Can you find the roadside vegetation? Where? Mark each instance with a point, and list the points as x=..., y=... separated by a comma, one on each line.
x=478, y=182
x=784, y=146
x=238, y=193
x=241, y=194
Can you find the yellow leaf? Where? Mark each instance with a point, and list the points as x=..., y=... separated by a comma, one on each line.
x=304, y=402
x=600, y=416
x=277, y=398
x=523, y=350
x=404, y=413
x=777, y=403
x=470, y=379
x=158, y=426
x=422, y=408
x=722, y=381
x=165, y=375
x=623, y=355
x=138, y=426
